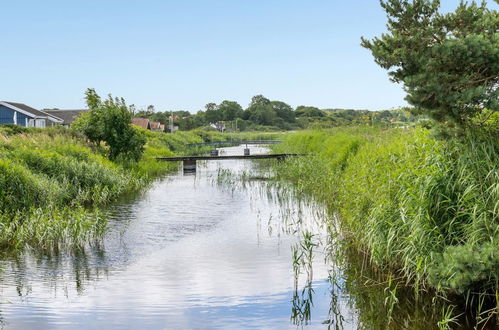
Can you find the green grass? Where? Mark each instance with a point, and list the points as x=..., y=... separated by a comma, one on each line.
x=427, y=209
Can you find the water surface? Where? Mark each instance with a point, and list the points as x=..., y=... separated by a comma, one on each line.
x=194, y=251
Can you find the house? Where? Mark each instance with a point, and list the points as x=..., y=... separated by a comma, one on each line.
x=156, y=126
x=220, y=126
x=169, y=129
x=23, y=115
x=142, y=122
x=68, y=116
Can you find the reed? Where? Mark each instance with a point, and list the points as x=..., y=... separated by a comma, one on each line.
x=425, y=208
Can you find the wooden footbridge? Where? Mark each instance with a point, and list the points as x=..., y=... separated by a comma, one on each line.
x=189, y=162
x=234, y=142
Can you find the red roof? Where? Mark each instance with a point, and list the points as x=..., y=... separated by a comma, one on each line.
x=155, y=125
x=141, y=122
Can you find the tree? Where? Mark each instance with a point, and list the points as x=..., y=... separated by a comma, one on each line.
x=212, y=114
x=260, y=111
x=260, y=100
x=109, y=121
x=448, y=63
x=283, y=111
x=230, y=110
x=304, y=111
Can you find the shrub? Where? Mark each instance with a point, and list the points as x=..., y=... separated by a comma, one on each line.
x=110, y=121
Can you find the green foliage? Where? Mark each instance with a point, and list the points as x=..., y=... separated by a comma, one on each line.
x=11, y=129
x=230, y=110
x=39, y=170
x=464, y=266
x=46, y=176
x=110, y=121
x=50, y=228
x=20, y=189
x=423, y=207
x=448, y=63
x=303, y=111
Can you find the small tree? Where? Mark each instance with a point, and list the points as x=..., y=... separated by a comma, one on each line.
x=448, y=63
x=109, y=121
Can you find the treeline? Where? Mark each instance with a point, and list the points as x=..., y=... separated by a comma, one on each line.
x=264, y=114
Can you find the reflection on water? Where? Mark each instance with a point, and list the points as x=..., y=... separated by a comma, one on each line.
x=196, y=250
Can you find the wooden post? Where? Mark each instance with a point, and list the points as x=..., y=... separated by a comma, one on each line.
x=189, y=165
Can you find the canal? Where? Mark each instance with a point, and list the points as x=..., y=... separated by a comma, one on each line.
x=219, y=248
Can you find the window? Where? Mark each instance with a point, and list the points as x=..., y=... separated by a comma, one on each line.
x=40, y=123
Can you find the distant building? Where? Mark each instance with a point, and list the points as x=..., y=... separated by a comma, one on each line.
x=220, y=126
x=142, y=122
x=169, y=130
x=68, y=116
x=23, y=115
x=156, y=126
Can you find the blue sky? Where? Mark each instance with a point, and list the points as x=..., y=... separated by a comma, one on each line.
x=184, y=54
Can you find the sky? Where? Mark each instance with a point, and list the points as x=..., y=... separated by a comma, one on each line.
x=181, y=55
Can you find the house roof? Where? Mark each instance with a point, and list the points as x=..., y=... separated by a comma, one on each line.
x=141, y=122
x=21, y=107
x=155, y=125
x=68, y=116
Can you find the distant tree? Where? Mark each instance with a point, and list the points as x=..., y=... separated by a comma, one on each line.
x=260, y=111
x=230, y=110
x=283, y=111
x=181, y=113
x=448, y=63
x=187, y=123
x=161, y=117
x=304, y=111
x=211, y=106
x=259, y=100
x=109, y=121
x=212, y=113
x=142, y=113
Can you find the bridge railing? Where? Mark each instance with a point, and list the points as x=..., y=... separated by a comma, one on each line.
x=234, y=142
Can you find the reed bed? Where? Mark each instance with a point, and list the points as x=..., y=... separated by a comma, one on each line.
x=422, y=208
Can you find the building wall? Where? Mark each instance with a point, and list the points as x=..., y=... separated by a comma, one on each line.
x=22, y=119
x=6, y=115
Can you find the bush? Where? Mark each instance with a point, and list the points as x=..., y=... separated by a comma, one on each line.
x=109, y=121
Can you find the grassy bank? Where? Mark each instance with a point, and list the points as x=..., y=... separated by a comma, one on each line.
x=424, y=208
x=52, y=182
